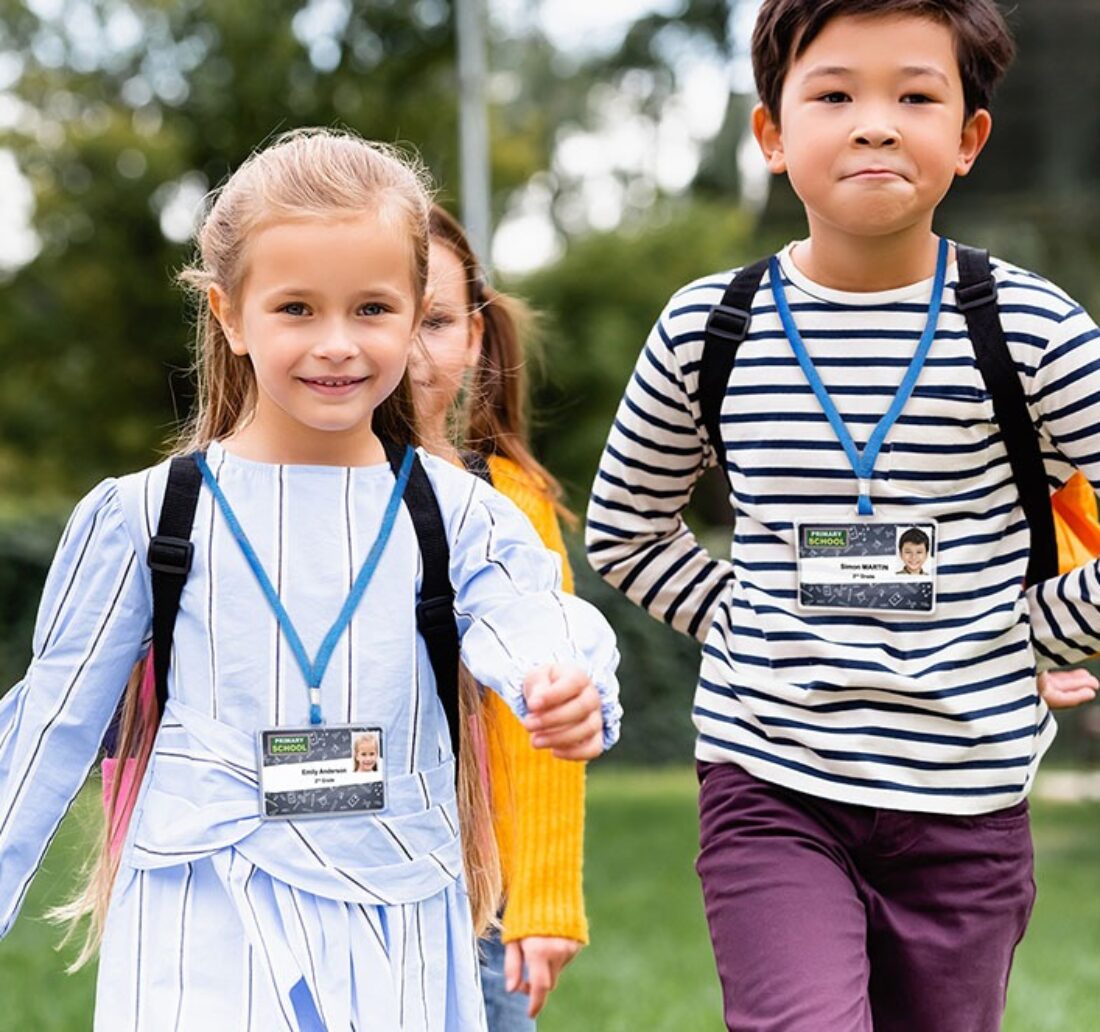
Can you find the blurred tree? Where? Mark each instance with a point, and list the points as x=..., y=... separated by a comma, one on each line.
x=126, y=112
x=599, y=304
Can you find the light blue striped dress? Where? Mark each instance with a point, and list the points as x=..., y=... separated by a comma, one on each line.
x=936, y=713
x=221, y=921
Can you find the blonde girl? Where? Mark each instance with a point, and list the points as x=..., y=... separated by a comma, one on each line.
x=469, y=387
x=365, y=752
x=310, y=276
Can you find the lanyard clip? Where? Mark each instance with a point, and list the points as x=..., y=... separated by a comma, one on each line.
x=315, y=706
x=864, y=506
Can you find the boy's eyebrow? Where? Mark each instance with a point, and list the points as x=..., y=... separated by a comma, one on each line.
x=821, y=71
x=909, y=72
x=936, y=73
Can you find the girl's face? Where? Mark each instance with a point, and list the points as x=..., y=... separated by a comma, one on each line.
x=326, y=314
x=366, y=755
x=450, y=336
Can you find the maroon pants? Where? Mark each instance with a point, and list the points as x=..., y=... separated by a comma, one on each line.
x=827, y=917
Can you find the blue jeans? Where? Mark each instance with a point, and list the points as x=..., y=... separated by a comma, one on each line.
x=506, y=1012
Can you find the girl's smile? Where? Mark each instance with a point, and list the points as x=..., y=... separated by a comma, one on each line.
x=334, y=386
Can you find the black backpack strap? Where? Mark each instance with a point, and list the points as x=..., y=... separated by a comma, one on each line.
x=170, y=555
x=976, y=297
x=477, y=464
x=435, y=612
x=727, y=328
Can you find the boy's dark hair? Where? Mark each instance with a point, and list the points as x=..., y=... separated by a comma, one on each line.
x=914, y=536
x=785, y=28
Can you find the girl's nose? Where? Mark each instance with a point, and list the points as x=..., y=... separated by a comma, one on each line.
x=336, y=344
x=418, y=356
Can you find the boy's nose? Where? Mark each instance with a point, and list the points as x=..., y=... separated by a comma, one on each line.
x=875, y=136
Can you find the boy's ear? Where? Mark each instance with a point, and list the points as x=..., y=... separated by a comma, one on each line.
x=975, y=135
x=223, y=311
x=768, y=136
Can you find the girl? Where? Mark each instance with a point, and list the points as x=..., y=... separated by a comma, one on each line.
x=472, y=348
x=365, y=752
x=312, y=265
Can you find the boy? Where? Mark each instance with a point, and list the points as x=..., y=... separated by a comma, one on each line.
x=865, y=853
x=913, y=552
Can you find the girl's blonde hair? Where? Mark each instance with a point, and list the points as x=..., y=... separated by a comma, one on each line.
x=303, y=174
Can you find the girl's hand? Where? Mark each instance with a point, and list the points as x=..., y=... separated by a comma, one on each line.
x=1062, y=689
x=563, y=712
x=544, y=957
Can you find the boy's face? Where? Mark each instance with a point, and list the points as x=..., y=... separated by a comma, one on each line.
x=913, y=556
x=872, y=126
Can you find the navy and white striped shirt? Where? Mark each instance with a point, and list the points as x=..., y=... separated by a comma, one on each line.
x=936, y=713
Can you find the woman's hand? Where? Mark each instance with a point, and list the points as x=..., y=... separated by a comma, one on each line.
x=563, y=712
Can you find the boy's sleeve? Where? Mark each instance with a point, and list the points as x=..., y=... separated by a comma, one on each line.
x=513, y=615
x=635, y=533
x=1064, y=396
x=92, y=621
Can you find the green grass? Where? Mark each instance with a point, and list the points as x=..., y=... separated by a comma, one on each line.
x=649, y=968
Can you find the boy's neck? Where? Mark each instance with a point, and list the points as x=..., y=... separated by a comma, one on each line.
x=841, y=261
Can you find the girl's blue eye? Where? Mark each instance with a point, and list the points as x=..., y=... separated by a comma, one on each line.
x=293, y=308
x=373, y=308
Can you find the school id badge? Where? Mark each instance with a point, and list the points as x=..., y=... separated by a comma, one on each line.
x=321, y=771
x=867, y=566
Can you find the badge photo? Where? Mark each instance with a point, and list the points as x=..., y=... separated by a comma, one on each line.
x=868, y=565
x=322, y=771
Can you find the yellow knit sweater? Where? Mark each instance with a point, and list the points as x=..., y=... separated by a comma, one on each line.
x=538, y=800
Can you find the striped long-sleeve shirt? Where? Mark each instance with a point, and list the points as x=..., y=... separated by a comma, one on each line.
x=935, y=713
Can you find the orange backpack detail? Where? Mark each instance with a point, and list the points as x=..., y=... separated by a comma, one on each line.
x=1076, y=523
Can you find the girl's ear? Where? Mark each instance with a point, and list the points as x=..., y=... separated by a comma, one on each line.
x=475, y=339
x=223, y=311
x=768, y=136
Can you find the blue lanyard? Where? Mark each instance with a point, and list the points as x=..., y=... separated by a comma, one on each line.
x=863, y=463
x=314, y=672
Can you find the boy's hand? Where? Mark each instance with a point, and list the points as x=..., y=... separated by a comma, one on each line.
x=1062, y=689
x=544, y=957
x=563, y=712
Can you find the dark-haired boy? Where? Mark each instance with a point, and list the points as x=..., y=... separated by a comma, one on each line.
x=866, y=856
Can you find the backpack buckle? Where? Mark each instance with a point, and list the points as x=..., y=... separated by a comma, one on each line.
x=974, y=295
x=435, y=613
x=170, y=555
x=728, y=323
